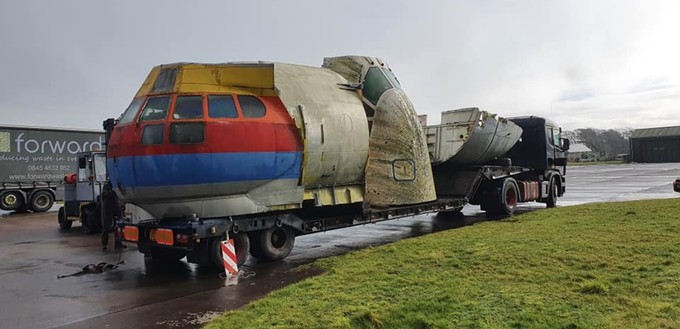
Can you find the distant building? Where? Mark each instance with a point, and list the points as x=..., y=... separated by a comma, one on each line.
x=580, y=153
x=655, y=144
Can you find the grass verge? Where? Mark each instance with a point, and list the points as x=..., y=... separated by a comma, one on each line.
x=612, y=265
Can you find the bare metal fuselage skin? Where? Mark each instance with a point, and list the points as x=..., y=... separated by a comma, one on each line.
x=217, y=140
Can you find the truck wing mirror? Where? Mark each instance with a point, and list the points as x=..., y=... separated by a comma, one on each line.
x=82, y=163
x=565, y=144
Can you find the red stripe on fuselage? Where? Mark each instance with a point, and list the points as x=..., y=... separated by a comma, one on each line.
x=275, y=132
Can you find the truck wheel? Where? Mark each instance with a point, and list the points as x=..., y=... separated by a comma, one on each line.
x=275, y=243
x=89, y=221
x=241, y=246
x=551, y=202
x=64, y=224
x=11, y=200
x=507, y=198
x=41, y=201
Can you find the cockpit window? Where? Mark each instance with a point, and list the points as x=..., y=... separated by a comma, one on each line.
x=165, y=81
x=156, y=108
x=375, y=85
x=153, y=135
x=131, y=111
x=251, y=106
x=221, y=106
x=187, y=133
x=188, y=107
x=390, y=76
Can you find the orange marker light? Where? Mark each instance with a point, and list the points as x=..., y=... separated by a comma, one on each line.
x=163, y=236
x=130, y=233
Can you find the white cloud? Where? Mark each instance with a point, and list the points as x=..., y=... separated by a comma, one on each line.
x=601, y=64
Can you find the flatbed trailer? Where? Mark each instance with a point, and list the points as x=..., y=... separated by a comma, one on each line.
x=193, y=236
x=279, y=150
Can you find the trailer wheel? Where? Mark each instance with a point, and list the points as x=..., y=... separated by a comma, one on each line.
x=551, y=202
x=11, y=200
x=274, y=243
x=41, y=201
x=64, y=224
x=241, y=246
x=506, y=198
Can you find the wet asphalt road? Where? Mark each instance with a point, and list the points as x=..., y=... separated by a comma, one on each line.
x=141, y=294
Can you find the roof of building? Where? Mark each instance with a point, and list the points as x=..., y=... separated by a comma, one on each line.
x=579, y=148
x=656, y=132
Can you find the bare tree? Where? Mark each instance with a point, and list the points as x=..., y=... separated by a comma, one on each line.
x=608, y=143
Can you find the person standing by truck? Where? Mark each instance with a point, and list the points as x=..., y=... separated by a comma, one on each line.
x=110, y=210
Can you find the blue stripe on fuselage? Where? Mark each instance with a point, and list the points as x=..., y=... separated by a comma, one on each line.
x=202, y=168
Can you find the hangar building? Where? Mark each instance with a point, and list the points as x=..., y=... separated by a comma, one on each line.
x=655, y=144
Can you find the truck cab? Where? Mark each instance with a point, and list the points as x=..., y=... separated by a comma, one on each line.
x=532, y=170
x=541, y=145
x=541, y=148
x=81, y=192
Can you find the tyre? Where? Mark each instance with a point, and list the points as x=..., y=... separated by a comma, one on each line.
x=12, y=200
x=23, y=209
x=90, y=221
x=274, y=243
x=241, y=246
x=41, y=201
x=64, y=223
x=506, y=198
x=551, y=202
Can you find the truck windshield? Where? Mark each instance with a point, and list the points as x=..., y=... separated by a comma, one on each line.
x=100, y=167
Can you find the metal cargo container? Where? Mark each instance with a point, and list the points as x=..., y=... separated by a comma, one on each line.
x=34, y=160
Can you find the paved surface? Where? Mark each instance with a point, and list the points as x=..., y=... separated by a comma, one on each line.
x=140, y=294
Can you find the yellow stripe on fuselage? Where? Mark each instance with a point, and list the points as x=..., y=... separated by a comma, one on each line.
x=254, y=79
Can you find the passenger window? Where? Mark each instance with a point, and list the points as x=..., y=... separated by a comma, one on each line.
x=153, y=134
x=131, y=112
x=221, y=107
x=156, y=108
x=251, y=106
x=188, y=107
x=187, y=133
x=375, y=85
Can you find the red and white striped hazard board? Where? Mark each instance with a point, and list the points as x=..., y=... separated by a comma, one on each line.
x=229, y=257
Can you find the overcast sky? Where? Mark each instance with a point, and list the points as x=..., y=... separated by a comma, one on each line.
x=597, y=64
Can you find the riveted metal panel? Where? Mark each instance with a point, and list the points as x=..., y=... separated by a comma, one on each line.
x=332, y=122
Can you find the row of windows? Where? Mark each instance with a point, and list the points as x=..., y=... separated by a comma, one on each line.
x=180, y=133
x=191, y=107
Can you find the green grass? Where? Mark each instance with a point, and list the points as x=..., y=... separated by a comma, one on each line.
x=614, y=265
